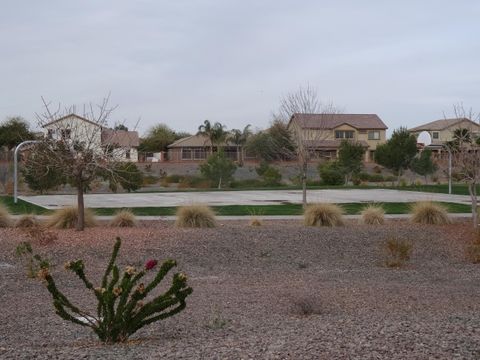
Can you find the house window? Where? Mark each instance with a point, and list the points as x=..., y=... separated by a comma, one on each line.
x=50, y=133
x=127, y=154
x=434, y=134
x=374, y=135
x=65, y=133
x=199, y=154
x=343, y=134
x=186, y=154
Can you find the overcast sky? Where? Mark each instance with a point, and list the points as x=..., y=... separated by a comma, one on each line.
x=181, y=62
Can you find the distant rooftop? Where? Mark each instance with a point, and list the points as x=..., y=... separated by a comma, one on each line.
x=331, y=121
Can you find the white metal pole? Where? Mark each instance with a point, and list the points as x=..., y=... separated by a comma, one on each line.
x=15, y=167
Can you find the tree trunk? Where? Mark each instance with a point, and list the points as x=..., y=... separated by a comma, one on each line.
x=304, y=184
x=472, y=189
x=220, y=183
x=81, y=209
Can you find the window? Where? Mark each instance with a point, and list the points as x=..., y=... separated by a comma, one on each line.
x=65, y=133
x=50, y=134
x=186, y=154
x=127, y=154
x=374, y=135
x=343, y=134
x=434, y=134
x=199, y=154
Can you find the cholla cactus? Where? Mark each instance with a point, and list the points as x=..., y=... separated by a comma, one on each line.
x=122, y=309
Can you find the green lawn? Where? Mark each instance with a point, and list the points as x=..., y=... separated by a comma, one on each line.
x=283, y=209
x=22, y=207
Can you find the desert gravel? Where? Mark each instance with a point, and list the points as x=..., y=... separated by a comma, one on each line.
x=278, y=291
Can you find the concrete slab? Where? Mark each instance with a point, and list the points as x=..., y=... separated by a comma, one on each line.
x=254, y=197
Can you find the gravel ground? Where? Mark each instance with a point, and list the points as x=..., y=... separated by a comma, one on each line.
x=252, y=288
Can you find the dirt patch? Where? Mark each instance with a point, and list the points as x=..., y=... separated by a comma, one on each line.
x=277, y=291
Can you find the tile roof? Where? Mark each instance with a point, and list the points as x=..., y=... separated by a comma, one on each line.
x=194, y=141
x=441, y=124
x=120, y=138
x=331, y=121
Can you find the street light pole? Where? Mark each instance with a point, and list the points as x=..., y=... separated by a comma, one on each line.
x=15, y=167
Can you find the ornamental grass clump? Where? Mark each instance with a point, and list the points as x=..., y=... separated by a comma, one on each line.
x=27, y=221
x=124, y=218
x=429, y=213
x=122, y=305
x=398, y=252
x=372, y=215
x=323, y=215
x=67, y=218
x=5, y=217
x=195, y=216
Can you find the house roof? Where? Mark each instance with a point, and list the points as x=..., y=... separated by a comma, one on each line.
x=441, y=124
x=71, y=115
x=331, y=121
x=194, y=141
x=121, y=138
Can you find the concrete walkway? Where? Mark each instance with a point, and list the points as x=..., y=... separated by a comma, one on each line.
x=254, y=197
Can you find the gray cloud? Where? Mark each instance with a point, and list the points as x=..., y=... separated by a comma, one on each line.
x=185, y=61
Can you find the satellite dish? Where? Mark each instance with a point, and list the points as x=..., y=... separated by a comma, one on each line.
x=424, y=138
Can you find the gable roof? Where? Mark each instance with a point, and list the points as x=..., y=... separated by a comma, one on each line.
x=71, y=115
x=441, y=124
x=121, y=138
x=331, y=121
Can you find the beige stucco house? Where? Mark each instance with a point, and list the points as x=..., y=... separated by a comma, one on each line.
x=323, y=133
x=72, y=127
x=442, y=131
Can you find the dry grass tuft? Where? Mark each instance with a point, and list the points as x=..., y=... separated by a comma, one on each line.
x=372, y=215
x=255, y=222
x=67, y=218
x=429, y=213
x=27, y=221
x=5, y=217
x=124, y=218
x=323, y=215
x=195, y=216
x=397, y=251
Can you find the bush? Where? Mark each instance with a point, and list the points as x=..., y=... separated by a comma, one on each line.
x=247, y=183
x=67, y=218
x=195, y=216
x=255, y=222
x=323, y=215
x=372, y=215
x=427, y=212
x=122, y=309
x=397, y=252
x=149, y=180
x=331, y=173
x=27, y=221
x=5, y=217
x=129, y=176
x=218, y=168
x=124, y=218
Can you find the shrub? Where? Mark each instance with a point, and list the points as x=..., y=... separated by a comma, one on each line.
x=323, y=215
x=397, y=252
x=149, y=180
x=124, y=218
x=427, y=212
x=372, y=215
x=255, y=222
x=129, y=177
x=252, y=183
x=67, y=218
x=270, y=175
x=39, y=235
x=195, y=216
x=331, y=173
x=5, y=217
x=27, y=221
x=122, y=309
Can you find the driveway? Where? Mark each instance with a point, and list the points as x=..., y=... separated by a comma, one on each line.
x=255, y=197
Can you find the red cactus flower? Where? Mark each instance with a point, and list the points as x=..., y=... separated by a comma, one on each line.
x=151, y=264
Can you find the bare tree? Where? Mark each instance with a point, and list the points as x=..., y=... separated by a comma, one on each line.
x=80, y=148
x=305, y=136
x=465, y=150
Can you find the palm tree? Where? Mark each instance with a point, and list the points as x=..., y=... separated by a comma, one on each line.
x=239, y=138
x=215, y=133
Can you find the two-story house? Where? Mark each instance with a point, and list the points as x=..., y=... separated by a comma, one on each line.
x=442, y=131
x=95, y=136
x=323, y=133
